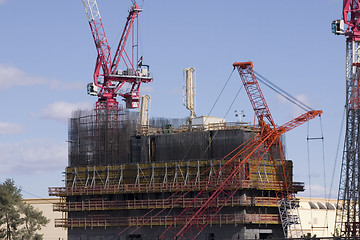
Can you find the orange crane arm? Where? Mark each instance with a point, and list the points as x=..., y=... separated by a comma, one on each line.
x=197, y=219
x=254, y=92
x=298, y=121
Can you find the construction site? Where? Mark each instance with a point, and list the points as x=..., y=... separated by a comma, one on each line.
x=132, y=176
x=110, y=187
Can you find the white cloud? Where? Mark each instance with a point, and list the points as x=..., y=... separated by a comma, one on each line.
x=11, y=76
x=62, y=110
x=32, y=156
x=295, y=110
x=7, y=128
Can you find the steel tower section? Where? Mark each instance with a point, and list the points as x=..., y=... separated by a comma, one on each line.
x=348, y=216
x=347, y=223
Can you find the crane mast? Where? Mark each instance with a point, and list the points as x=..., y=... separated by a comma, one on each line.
x=109, y=80
x=347, y=223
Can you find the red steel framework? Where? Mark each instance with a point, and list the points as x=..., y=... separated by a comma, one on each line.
x=194, y=220
x=347, y=223
x=351, y=17
x=107, y=77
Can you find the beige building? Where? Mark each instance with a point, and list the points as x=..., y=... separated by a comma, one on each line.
x=317, y=216
x=46, y=206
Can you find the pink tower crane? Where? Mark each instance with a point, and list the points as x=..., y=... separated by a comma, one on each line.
x=109, y=80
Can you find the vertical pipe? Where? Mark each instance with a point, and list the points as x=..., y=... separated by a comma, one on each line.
x=137, y=41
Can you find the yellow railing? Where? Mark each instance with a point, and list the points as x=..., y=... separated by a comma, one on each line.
x=219, y=219
x=94, y=205
x=163, y=187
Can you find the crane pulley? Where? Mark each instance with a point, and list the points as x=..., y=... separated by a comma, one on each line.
x=109, y=80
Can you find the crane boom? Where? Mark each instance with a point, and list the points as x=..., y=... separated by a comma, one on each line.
x=220, y=192
x=130, y=21
x=98, y=32
x=298, y=121
x=254, y=92
x=194, y=221
x=262, y=113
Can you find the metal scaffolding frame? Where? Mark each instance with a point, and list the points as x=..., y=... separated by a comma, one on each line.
x=104, y=181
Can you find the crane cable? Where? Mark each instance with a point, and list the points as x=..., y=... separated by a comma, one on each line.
x=337, y=152
x=326, y=224
x=282, y=92
x=309, y=175
x=212, y=108
x=222, y=90
x=324, y=173
x=227, y=112
x=305, y=107
x=270, y=85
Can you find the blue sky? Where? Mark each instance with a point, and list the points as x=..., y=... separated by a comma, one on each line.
x=47, y=57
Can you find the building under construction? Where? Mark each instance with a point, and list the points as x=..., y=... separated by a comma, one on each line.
x=127, y=181
x=130, y=178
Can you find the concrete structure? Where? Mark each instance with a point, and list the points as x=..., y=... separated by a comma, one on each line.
x=46, y=206
x=116, y=174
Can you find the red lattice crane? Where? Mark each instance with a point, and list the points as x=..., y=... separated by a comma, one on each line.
x=232, y=176
x=109, y=80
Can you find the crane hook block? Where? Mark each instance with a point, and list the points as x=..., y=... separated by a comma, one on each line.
x=243, y=64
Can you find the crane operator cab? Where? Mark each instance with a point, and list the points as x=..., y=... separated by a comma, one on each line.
x=92, y=89
x=337, y=27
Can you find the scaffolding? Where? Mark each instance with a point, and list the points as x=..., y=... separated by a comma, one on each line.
x=92, y=182
x=119, y=168
x=124, y=140
x=220, y=219
x=101, y=205
x=165, y=177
